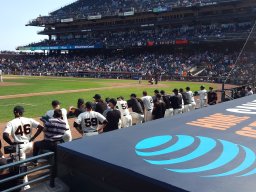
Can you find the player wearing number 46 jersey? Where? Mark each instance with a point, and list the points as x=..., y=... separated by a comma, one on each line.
x=20, y=129
x=88, y=123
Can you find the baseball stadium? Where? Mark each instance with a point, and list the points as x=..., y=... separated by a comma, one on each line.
x=131, y=96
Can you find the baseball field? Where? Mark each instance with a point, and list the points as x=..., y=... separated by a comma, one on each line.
x=36, y=93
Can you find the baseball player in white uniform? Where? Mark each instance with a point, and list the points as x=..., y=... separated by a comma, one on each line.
x=126, y=118
x=203, y=96
x=20, y=129
x=88, y=123
x=1, y=75
x=49, y=114
x=192, y=105
x=148, y=106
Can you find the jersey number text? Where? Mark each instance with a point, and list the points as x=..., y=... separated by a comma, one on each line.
x=23, y=130
x=91, y=122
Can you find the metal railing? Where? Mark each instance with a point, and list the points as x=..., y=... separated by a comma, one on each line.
x=46, y=175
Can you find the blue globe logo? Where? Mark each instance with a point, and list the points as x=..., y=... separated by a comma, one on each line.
x=164, y=151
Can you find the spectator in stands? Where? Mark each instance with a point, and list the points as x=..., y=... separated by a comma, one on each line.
x=211, y=97
x=113, y=116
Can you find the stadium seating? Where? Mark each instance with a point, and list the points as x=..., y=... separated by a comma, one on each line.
x=158, y=36
x=214, y=63
x=84, y=8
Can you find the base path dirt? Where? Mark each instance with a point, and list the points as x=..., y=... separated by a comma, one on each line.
x=5, y=84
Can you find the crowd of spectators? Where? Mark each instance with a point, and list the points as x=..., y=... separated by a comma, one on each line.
x=212, y=63
x=84, y=8
x=156, y=36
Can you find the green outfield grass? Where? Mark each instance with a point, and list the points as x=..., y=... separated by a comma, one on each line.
x=36, y=106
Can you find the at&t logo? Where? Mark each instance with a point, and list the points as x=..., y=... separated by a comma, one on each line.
x=164, y=151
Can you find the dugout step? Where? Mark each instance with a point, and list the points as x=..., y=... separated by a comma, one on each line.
x=45, y=187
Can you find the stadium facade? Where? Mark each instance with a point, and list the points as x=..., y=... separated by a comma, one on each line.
x=130, y=24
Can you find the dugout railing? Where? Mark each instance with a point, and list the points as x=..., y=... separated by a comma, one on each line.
x=47, y=171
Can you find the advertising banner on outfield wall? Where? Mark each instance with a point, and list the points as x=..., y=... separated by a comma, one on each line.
x=68, y=47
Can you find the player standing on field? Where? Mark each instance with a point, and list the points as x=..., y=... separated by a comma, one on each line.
x=20, y=128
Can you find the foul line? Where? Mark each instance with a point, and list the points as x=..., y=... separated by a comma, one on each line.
x=61, y=92
x=28, y=104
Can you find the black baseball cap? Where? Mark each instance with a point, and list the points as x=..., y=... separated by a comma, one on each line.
x=80, y=101
x=55, y=103
x=187, y=88
x=202, y=86
x=18, y=109
x=156, y=91
x=88, y=105
x=113, y=101
x=210, y=88
x=133, y=95
x=175, y=90
x=97, y=96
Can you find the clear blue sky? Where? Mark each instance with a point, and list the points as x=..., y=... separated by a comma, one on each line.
x=15, y=14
